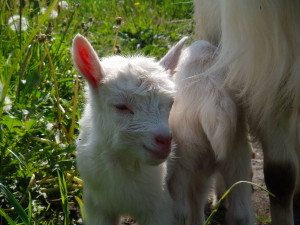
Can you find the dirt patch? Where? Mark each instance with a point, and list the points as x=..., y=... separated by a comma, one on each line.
x=260, y=197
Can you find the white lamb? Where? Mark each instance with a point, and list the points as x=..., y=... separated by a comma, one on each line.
x=203, y=120
x=124, y=136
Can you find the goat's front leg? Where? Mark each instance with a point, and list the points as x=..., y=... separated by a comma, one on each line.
x=236, y=167
x=189, y=183
x=177, y=182
x=199, y=188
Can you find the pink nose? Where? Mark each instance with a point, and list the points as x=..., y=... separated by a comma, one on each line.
x=164, y=141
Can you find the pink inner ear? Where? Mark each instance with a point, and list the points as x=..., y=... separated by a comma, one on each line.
x=87, y=63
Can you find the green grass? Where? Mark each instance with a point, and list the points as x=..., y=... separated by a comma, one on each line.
x=41, y=93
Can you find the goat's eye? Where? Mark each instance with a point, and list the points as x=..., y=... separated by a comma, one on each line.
x=123, y=108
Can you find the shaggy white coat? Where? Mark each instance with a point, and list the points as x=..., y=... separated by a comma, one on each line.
x=259, y=46
x=207, y=138
x=121, y=164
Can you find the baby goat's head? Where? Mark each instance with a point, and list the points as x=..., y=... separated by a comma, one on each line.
x=129, y=100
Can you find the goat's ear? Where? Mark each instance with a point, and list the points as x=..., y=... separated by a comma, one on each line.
x=86, y=61
x=170, y=60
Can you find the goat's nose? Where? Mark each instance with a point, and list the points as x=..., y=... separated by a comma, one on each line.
x=163, y=140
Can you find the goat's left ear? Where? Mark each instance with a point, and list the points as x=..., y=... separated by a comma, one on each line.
x=170, y=60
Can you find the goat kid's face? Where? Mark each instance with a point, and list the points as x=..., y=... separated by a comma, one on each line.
x=130, y=100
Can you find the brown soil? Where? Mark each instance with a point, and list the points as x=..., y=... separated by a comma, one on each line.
x=260, y=198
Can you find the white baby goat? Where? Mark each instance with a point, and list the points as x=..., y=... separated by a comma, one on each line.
x=259, y=43
x=124, y=136
x=203, y=121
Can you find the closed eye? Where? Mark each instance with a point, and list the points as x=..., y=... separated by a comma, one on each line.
x=123, y=108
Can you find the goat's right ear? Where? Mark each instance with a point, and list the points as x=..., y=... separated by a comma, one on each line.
x=86, y=61
x=170, y=60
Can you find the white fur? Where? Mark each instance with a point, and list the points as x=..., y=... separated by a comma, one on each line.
x=263, y=50
x=259, y=46
x=203, y=120
x=121, y=176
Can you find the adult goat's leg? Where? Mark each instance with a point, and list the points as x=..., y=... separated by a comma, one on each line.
x=280, y=167
x=297, y=190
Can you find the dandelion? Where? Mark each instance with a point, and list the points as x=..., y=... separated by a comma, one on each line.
x=52, y=15
x=7, y=104
x=15, y=22
x=63, y=5
x=49, y=126
x=62, y=145
x=25, y=112
x=43, y=10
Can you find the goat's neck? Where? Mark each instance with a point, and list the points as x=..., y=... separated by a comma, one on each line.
x=124, y=161
x=118, y=159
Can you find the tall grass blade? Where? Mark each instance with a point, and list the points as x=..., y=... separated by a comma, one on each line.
x=225, y=195
x=80, y=203
x=75, y=100
x=17, y=207
x=65, y=33
x=29, y=208
x=64, y=197
x=6, y=217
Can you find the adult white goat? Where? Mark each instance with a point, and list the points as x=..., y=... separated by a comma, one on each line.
x=259, y=43
x=124, y=136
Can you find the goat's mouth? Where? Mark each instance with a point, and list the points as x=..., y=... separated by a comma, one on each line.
x=158, y=153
